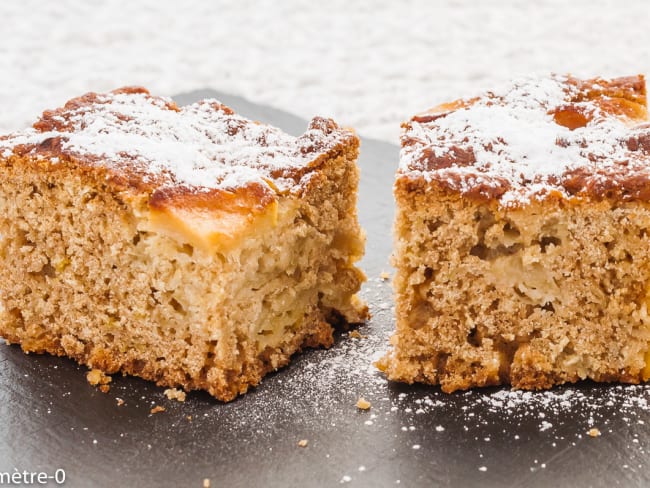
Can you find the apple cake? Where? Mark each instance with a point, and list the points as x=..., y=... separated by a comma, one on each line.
x=185, y=245
x=523, y=237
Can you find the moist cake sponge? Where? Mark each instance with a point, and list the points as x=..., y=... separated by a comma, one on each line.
x=523, y=238
x=188, y=246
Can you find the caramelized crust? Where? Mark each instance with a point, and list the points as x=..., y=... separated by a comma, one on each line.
x=201, y=167
x=564, y=137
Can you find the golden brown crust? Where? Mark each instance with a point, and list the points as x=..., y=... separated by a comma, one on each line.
x=632, y=88
x=61, y=119
x=289, y=160
x=588, y=105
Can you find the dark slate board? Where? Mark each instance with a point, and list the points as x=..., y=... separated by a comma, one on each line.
x=413, y=436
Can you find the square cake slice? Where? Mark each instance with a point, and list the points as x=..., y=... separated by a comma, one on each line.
x=185, y=245
x=523, y=237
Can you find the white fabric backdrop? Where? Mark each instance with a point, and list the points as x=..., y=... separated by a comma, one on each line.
x=369, y=64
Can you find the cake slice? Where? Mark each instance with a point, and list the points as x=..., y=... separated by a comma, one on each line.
x=188, y=246
x=523, y=237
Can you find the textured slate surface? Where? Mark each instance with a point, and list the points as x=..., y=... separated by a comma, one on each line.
x=51, y=418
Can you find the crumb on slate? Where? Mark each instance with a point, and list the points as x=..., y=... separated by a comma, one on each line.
x=157, y=409
x=175, y=394
x=363, y=404
x=119, y=401
x=97, y=377
x=384, y=276
x=303, y=443
x=355, y=334
x=104, y=388
x=593, y=432
x=206, y=482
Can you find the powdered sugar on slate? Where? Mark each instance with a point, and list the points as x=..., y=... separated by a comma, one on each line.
x=330, y=382
x=508, y=137
x=203, y=145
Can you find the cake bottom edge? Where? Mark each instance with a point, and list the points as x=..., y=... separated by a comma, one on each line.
x=534, y=376
x=225, y=384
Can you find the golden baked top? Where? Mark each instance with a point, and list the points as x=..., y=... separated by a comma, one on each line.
x=537, y=138
x=152, y=143
x=206, y=173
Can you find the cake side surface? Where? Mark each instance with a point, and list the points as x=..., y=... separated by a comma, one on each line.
x=533, y=297
x=123, y=268
x=511, y=271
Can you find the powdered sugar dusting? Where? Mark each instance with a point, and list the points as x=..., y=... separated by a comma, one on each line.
x=203, y=145
x=509, y=138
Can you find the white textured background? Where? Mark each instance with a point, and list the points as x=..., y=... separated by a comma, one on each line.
x=367, y=64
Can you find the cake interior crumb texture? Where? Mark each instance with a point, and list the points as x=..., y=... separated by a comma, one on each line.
x=525, y=265
x=188, y=246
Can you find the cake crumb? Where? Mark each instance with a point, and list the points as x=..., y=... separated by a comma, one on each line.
x=119, y=401
x=593, y=432
x=355, y=334
x=104, y=388
x=175, y=394
x=363, y=404
x=384, y=276
x=157, y=409
x=303, y=443
x=97, y=377
x=206, y=483
x=189, y=418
